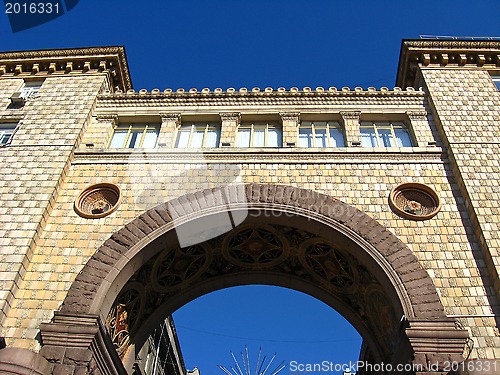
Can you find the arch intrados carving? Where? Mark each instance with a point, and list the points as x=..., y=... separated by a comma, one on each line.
x=100, y=281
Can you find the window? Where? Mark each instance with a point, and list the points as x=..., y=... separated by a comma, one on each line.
x=259, y=135
x=320, y=134
x=134, y=136
x=384, y=134
x=29, y=89
x=6, y=133
x=496, y=81
x=198, y=134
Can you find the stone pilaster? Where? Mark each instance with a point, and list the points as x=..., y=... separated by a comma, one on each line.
x=169, y=124
x=79, y=344
x=290, y=122
x=351, y=126
x=436, y=344
x=99, y=136
x=419, y=125
x=230, y=122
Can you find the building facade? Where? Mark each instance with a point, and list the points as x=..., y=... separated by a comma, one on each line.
x=119, y=206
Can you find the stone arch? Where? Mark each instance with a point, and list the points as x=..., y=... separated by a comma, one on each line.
x=129, y=250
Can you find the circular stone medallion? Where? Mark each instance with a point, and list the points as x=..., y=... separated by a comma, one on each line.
x=414, y=201
x=98, y=200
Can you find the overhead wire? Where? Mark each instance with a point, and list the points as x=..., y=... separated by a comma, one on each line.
x=265, y=340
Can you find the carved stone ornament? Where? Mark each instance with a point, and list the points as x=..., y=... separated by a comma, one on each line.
x=249, y=248
x=123, y=319
x=414, y=201
x=230, y=116
x=176, y=117
x=98, y=200
x=351, y=115
x=290, y=116
x=255, y=247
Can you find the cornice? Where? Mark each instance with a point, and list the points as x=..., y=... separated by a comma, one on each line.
x=62, y=61
x=174, y=156
x=445, y=53
x=267, y=92
x=168, y=98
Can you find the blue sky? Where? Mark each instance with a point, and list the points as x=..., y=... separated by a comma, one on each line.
x=292, y=324
x=230, y=43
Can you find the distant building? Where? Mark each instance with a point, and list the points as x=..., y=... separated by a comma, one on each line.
x=120, y=206
x=161, y=354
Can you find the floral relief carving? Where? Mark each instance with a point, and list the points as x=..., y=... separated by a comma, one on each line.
x=255, y=247
x=278, y=249
x=175, y=267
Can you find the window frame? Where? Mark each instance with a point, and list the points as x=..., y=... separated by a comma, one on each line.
x=130, y=128
x=258, y=125
x=311, y=125
x=198, y=125
x=7, y=128
x=379, y=125
x=29, y=89
x=496, y=81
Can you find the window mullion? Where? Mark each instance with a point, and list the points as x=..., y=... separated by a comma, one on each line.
x=266, y=132
x=127, y=137
x=327, y=135
x=393, y=133
x=191, y=132
x=205, y=135
x=376, y=135
x=143, y=136
x=313, y=133
x=251, y=135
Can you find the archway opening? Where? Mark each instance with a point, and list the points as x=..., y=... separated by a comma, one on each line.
x=285, y=251
x=299, y=328
x=273, y=235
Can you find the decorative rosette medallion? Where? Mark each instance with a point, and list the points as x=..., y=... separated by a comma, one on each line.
x=414, y=201
x=98, y=200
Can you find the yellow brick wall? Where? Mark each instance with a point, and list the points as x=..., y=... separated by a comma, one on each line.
x=33, y=168
x=446, y=245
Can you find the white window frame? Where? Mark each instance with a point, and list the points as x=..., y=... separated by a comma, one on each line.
x=194, y=126
x=29, y=89
x=135, y=127
x=7, y=130
x=379, y=125
x=261, y=125
x=327, y=125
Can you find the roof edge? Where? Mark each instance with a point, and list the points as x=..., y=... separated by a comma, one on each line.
x=448, y=53
x=103, y=58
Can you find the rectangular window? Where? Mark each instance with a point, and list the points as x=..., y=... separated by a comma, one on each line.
x=384, y=134
x=320, y=134
x=259, y=135
x=496, y=81
x=135, y=136
x=29, y=89
x=6, y=133
x=198, y=135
